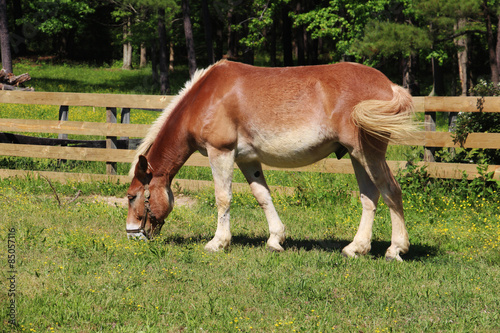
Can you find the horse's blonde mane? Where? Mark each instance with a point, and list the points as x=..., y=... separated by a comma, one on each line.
x=158, y=123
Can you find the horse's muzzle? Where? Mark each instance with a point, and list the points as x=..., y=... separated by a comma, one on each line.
x=137, y=234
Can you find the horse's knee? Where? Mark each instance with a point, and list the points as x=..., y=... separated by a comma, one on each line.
x=368, y=203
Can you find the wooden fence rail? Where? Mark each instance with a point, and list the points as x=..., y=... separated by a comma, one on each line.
x=111, y=131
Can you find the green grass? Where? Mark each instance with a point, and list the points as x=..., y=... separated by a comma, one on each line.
x=77, y=272
x=60, y=77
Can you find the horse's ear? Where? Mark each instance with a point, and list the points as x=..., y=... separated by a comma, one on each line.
x=142, y=171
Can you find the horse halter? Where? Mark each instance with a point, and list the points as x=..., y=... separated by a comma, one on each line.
x=147, y=211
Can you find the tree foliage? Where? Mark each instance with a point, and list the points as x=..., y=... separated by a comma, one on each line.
x=55, y=16
x=279, y=32
x=392, y=39
x=342, y=21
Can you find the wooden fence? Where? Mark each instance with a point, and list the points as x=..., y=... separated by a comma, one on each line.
x=111, y=154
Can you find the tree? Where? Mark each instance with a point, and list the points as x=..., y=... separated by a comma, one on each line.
x=188, y=31
x=5, y=38
x=163, y=60
x=489, y=12
x=127, y=45
x=208, y=32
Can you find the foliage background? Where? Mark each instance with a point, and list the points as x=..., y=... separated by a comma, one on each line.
x=387, y=34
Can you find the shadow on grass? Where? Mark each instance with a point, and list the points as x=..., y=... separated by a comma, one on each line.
x=417, y=252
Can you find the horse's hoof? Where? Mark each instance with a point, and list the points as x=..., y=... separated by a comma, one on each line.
x=395, y=258
x=275, y=248
x=214, y=246
x=348, y=255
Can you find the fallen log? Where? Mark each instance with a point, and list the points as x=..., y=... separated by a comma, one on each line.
x=10, y=87
x=9, y=81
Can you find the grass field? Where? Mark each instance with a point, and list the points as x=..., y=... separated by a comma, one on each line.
x=77, y=272
x=72, y=269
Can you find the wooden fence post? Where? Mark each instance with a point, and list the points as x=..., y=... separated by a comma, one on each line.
x=125, y=119
x=430, y=126
x=63, y=116
x=111, y=140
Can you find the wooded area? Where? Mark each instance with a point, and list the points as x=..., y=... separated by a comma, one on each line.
x=431, y=47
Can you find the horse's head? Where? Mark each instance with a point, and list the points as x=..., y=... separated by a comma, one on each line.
x=150, y=200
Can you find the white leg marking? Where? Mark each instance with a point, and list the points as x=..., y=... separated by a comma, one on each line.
x=381, y=176
x=255, y=177
x=361, y=243
x=222, y=170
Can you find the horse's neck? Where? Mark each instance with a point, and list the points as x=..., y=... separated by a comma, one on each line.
x=169, y=152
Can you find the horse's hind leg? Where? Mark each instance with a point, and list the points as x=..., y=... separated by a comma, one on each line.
x=222, y=164
x=378, y=171
x=255, y=177
x=369, y=195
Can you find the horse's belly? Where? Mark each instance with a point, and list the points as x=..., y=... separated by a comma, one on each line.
x=287, y=149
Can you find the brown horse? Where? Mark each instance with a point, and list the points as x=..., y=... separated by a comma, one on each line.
x=285, y=117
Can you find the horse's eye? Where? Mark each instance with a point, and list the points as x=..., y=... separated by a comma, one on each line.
x=131, y=197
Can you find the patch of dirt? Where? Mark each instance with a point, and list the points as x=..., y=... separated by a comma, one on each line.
x=184, y=200
x=180, y=201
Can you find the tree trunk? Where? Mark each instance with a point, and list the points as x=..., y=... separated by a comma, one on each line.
x=311, y=44
x=409, y=74
x=154, y=62
x=171, y=57
x=188, y=31
x=498, y=44
x=163, y=59
x=19, y=38
x=127, y=46
x=232, y=42
x=491, y=45
x=144, y=60
x=287, y=37
x=312, y=50
x=208, y=32
x=219, y=42
x=462, y=44
x=4, y=38
x=272, y=46
x=437, y=79
x=300, y=38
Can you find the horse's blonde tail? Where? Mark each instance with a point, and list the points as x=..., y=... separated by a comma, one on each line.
x=387, y=120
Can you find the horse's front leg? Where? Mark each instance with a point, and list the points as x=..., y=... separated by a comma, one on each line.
x=255, y=177
x=222, y=164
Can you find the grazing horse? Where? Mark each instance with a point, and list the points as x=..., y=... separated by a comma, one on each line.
x=283, y=117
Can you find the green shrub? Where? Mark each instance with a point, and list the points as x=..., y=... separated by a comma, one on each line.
x=474, y=122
